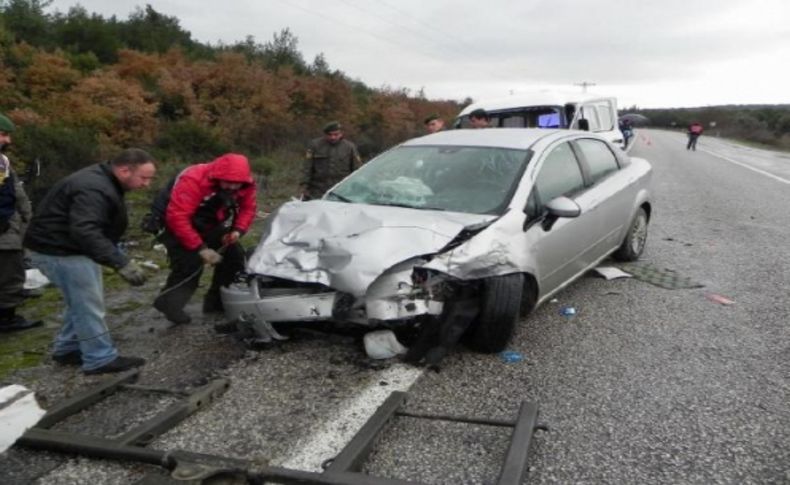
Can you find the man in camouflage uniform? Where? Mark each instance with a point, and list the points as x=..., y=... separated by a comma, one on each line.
x=328, y=160
x=15, y=212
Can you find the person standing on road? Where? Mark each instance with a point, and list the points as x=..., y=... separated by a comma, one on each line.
x=694, y=132
x=15, y=213
x=211, y=206
x=478, y=119
x=73, y=233
x=329, y=160
x=433, y=124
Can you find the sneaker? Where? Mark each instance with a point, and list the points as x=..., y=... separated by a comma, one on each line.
x=120, y=364
x=69, y=358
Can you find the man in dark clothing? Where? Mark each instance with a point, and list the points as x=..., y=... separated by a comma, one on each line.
x=329, y=160
x=15, y=213
x=211, y=206
x=76, y=229
x=694, y=131
x=478, y=118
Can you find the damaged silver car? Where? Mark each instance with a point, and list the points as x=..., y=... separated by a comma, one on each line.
x=496, y=220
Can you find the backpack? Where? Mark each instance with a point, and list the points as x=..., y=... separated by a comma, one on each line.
x=154, y=221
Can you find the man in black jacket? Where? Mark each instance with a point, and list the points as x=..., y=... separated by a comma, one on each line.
x=75, y=229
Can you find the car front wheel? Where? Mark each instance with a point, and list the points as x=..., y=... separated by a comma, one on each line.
x=500, y=304
x=634, y=242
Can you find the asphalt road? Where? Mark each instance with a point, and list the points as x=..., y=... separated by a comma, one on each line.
x=642, y=385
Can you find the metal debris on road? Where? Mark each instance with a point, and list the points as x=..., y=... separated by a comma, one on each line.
x=661, y=277
x=611, y=272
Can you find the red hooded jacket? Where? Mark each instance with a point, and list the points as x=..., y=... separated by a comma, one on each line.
x=197, y=184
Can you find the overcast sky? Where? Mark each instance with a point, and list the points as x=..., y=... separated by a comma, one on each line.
x=666, y=53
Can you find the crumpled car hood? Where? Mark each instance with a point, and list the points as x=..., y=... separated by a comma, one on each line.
x=347, y=246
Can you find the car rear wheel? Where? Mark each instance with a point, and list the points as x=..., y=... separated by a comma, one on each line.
x=500, y=304
x=634, y=242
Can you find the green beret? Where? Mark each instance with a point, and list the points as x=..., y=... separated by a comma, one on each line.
x=332, y=126
x=6, y=124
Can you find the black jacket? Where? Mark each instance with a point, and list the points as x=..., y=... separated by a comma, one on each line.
x=83, y=214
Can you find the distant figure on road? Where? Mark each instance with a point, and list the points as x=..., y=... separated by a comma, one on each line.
x=434, y=124
x=329, y=159
x=627, y=130
x=694, y=131
x=478, y=119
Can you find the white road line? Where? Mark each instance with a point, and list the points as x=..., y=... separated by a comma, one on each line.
x=334, y=435
x=744, y=165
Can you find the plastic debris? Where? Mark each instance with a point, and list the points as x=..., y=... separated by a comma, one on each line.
x=19, y=410
x=511, y=356
x=382, y=344
x=611, y=273
x=567, y=311
x=716, y=298
x=149, y=264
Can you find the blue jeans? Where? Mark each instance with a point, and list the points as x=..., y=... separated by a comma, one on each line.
x=79, y=279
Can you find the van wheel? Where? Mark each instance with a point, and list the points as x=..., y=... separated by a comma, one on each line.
x=634, y=243
x=500, y=305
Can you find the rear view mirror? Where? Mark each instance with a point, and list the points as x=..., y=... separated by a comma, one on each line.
x=584, y=124
x=563, y=207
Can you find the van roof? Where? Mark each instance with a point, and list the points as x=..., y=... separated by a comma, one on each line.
x=547, y=97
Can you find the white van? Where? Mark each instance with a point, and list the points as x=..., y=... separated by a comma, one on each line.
x=551, y=109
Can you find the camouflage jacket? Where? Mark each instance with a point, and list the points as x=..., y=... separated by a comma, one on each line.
x=326, y=164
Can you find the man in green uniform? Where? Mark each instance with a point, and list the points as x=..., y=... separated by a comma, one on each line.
x=328, y=160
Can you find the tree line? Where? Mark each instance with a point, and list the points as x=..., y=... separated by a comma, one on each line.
x=81, y=86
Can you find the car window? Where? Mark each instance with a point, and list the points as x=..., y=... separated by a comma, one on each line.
x=479, y=180
x=606, y=122
x=598, y=156
x=559, y=175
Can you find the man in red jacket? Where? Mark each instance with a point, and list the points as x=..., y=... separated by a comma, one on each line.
x=211, y=206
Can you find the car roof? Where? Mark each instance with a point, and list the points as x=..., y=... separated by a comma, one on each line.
x=535, y=98
x=516, y=138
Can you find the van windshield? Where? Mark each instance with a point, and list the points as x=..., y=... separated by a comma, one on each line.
x=525, y=117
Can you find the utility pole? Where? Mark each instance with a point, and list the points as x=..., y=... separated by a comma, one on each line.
x=584, y=85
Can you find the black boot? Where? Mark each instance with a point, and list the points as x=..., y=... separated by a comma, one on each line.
x=11, y=322
x=212, y=302
x=171, y=303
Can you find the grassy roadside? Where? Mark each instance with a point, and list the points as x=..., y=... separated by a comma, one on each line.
x=277, y=182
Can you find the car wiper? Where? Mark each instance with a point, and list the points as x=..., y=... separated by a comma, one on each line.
x=407, y=206
x=339, y=197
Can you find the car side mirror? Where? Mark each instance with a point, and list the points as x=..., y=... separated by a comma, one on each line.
x=584, y=124
x=560, y=207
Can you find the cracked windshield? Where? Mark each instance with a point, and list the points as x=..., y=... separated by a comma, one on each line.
x=477, y=180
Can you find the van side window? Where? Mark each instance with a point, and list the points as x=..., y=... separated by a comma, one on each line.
x=599, y=158
x=559, y=175
x=589, y=113
x=605, y=120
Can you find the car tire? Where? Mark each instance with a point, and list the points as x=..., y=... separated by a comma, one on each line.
x=634, y=243
x=500, y=306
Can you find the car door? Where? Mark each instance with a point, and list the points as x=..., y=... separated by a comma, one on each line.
x=562, y=251
x=610, y=193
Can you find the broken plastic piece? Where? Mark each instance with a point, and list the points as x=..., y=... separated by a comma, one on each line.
x=567, y=311
x=18, y=412
x=611, y=273
x=511, y=356
x=716, y=298
x=382, y=344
